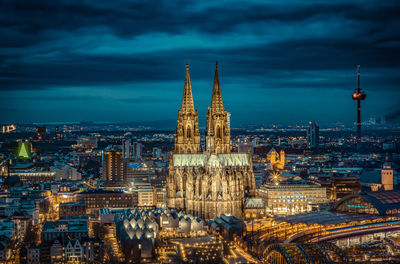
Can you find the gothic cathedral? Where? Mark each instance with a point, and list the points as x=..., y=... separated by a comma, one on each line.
x=214, y=181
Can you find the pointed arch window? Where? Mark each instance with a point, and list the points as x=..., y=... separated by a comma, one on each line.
x=219, y=132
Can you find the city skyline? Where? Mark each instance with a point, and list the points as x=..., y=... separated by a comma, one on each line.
x=94, y=62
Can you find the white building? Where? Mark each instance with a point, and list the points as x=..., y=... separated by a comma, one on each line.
x=66, y=172
x=73, y=250
x=291, y=197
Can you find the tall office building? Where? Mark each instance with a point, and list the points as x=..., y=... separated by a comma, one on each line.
x=137, y=148
x=112, y=166
x=313, y=135
x=127, y=148
x=131, y=149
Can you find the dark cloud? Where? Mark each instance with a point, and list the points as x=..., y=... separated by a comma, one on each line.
x=48, y=45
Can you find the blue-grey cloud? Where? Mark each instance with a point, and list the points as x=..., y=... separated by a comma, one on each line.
x=268, y=48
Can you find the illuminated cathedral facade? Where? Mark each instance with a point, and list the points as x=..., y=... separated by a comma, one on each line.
x=213, y=181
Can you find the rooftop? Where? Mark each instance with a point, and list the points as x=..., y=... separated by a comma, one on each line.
x=321, y=218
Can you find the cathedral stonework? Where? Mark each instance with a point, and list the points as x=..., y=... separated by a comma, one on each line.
x=215, y=181
x=187, y=134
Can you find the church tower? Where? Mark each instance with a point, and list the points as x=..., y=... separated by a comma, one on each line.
x=218, y=125
x=187, y=134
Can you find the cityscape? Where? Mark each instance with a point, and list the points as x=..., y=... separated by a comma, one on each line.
x=138, y=132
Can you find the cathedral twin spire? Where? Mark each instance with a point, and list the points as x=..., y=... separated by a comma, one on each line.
x=187, y=136
x=216, y=99
x=187, y=100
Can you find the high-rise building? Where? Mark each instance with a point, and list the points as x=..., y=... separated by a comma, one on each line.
x=313, y=135
x=387, y=176
x=127, y=148
x=112, y=166
x=216, y=181
x=137, y=149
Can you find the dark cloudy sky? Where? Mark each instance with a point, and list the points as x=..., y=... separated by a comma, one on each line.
x=280, y=61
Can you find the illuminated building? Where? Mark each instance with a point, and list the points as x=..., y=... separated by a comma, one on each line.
x=313, y=135
x=24, y=150
x=137, y=148
x=187, y=134
x=65, y=172
x=73, y=250
x=8, y=128
x=254, y=208
x=99, y=198
x=67, y=193
x=35, y=176
x=82, y=159
x=67, y=209
x=145, y=193
x=387, y=176
x=276, y=161
x=64, y=230
x=353, y=216
x=33, y=254
x=127, y=148
x=205, y=250
x=338, y=187
x=137, y=229
x=134, y=171
x=56, y=252
x=161, y=199
x=292, y=196
x=112, y=166
x=216, y=181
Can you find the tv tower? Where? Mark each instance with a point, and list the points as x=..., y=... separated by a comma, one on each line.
x=359, y=96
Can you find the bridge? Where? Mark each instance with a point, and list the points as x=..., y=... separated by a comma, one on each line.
x=301, y=253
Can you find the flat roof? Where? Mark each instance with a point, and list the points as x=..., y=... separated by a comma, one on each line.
x=322, y=218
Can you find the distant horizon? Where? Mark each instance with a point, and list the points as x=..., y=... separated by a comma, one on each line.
x=172, y=124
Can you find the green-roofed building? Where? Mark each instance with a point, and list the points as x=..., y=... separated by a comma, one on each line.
x=24, y=150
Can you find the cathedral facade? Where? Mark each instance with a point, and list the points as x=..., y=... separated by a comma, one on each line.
x=213, y=181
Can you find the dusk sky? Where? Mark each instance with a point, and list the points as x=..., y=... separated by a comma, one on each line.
x=280, y=61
